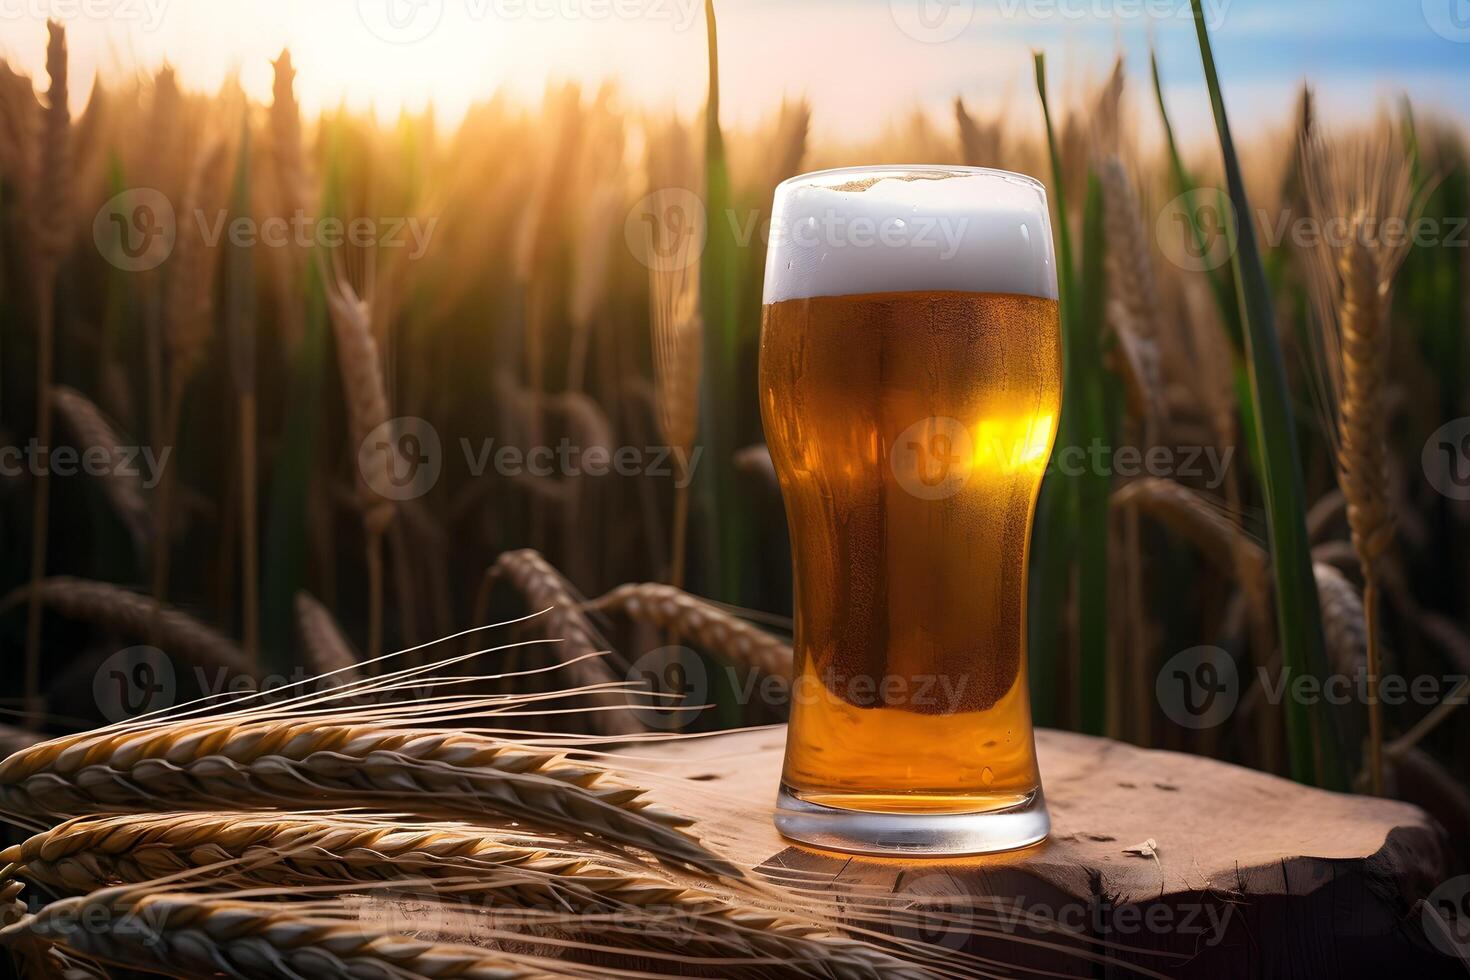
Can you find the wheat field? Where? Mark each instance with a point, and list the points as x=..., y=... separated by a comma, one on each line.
x=300, y=348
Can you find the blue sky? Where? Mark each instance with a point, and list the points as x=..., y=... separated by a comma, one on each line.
x=858, y=61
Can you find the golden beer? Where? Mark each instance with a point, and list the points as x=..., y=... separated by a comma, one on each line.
x=910, y=430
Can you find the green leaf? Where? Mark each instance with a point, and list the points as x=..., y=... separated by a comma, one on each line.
x=1311, y=741
x=723, y=395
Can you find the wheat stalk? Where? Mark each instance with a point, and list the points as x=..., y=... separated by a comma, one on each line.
x=53, y=200
x=291, y=185
x=1342, y=620
x=327, y=650
x=367, y=408
x=470, y=864
x=719, y=632
x=187, y=936
x=544, y=588
x=116, y=608
x=678, y=343
x=1199, y=520
x=1366, y=185
x=208, y=764
x=91, y=428
x=1133, y=295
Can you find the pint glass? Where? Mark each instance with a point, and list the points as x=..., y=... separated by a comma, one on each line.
x=910, y=384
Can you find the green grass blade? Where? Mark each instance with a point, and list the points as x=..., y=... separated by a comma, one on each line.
x=1055, y=525
x=1310, y=738
x=1184, y=183
x=1093, y=425
x=1071, y=521
x=723, y=395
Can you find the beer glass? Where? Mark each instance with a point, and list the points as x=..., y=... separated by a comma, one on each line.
x=910, y=384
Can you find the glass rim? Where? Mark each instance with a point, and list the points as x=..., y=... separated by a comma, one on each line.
x=903, y=168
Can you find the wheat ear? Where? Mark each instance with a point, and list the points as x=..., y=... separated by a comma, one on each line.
x=463, y=862
x=116, y=608
x=327, y=650
x=716, y=630
x=187, y=936
x=223, y=763
x=1133, y=296
x=1368, y=186
x=367, y=409
x=124, y=488
x=543, y=587
x=1343, y=625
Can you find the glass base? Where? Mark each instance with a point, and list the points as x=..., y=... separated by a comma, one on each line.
x=888, y=833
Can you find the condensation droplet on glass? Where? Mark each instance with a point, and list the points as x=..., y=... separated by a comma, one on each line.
x=986, y=776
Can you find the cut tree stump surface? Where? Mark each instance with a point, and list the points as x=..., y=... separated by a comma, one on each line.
x=1252, y=875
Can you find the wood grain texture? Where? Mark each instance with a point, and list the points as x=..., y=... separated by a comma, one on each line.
x=1253, y=876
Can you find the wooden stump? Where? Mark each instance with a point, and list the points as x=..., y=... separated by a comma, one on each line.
x=1250, y=876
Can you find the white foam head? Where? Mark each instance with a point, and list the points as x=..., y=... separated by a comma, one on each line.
x=909, y=228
